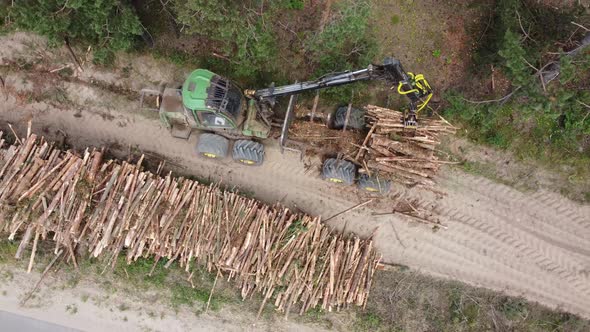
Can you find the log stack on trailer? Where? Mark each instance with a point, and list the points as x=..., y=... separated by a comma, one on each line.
x=405, y=155
x=110, y=208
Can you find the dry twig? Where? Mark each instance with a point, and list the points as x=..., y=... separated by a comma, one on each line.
x=47, y=268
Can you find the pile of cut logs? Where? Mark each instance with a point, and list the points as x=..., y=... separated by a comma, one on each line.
x=111, y=208
x=406, y=155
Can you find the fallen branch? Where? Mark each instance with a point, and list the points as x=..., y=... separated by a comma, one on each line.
x=500, y=100
x=60, y=68
x=349, y=209
x=14, y=133
x=211, y=293
x=423, y=220
x=526, y=34
x=72, y=54
x=4, y=88
x=47, y=268
x=580, y=26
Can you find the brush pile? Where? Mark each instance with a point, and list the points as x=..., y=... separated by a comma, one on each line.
x=109, y=208
x=406, y=155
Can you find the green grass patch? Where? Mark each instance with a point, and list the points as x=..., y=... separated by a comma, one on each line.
x=7, y=250
x=368, y=321
x=138, y=272
x=189, y=296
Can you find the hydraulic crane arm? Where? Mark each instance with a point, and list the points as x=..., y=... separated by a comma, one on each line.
x=415, y=87
x=327, y=81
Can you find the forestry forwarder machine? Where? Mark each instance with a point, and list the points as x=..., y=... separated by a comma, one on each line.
x=216, y=106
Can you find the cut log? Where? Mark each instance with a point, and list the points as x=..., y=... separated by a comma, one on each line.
x=405, y=155
x=111, y=206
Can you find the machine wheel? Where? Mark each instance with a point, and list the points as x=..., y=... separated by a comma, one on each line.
x=338, y=171
x=248, y=152
x=212, y=146
x=374, y=184
x=355, y=121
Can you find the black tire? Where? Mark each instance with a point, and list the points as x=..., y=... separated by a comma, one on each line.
x=355, y=121
x=374, y=184
x=339, y=171
x=248, y=152
x=212, y=146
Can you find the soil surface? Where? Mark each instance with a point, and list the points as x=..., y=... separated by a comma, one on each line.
x=88, y=306
x=530, y=244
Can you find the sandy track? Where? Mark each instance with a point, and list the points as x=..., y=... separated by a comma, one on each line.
x=98, y=310
x=532, y=244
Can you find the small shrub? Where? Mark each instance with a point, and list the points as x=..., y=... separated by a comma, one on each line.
x=368, y=321
x=513, y=308
x=293, y=4
x=123, y=307
x=238, y=29
x=72, y=309
x=346, y=43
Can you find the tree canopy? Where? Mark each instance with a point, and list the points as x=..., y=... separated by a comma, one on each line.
x=107, y=25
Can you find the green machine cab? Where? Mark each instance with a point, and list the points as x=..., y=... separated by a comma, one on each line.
x=207, y=101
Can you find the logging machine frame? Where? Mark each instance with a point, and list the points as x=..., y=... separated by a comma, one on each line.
x=217, y=106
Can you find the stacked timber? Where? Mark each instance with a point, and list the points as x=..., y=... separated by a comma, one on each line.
x=406, y=155
x=111, y=208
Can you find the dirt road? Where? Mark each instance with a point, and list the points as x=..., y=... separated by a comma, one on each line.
x=536, y=244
